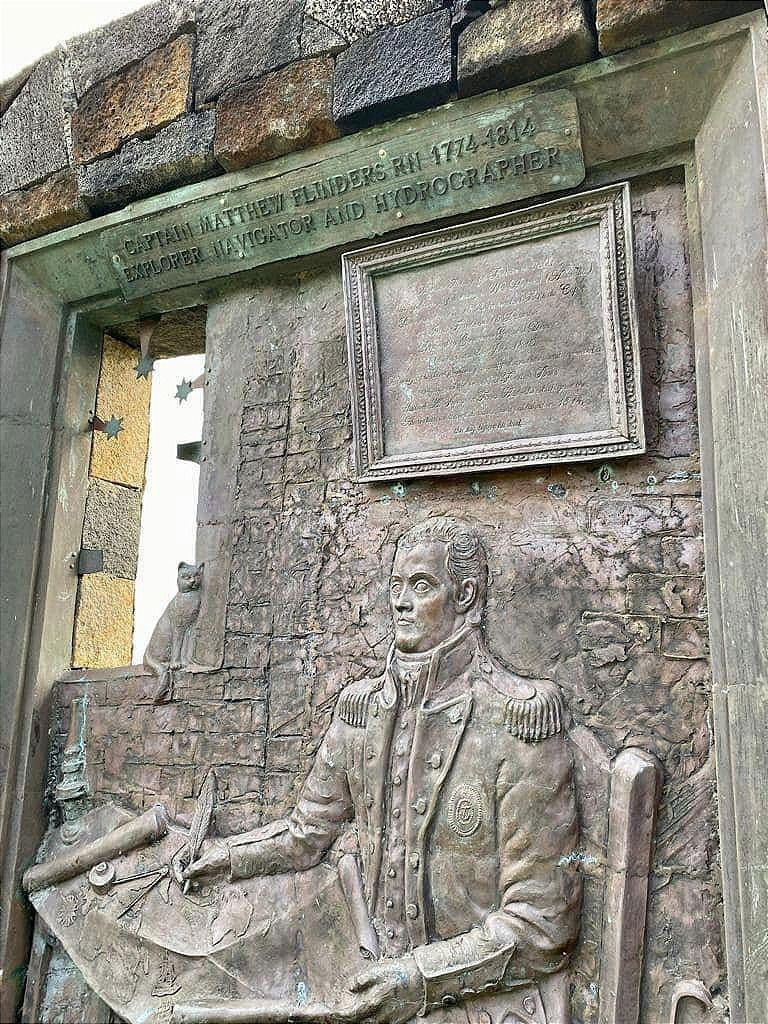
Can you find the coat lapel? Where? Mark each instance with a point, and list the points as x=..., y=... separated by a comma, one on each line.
x=439, y=731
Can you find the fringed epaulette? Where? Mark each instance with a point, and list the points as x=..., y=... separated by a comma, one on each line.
x=352, y=706
x=537, y=717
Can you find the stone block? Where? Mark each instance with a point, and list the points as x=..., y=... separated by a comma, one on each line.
x=685, y=639
x=284, y=111
x=608, y=638
x=353, y=19
x=35, y=129
x=394, y=71
x=104, y=621
x=11, y=88
x=319, y=40
x=180, y=332
x=136, y=101
x=247, y=652
x=245, y=686
x=179, y=154
x=102, y=52
x=666, y=595
x=200, y=686
x=521, y=41
x=54, y=203
x=682, y=555
x=121, y=459
x=622, y=24
x=112, y=523
x=243, y=39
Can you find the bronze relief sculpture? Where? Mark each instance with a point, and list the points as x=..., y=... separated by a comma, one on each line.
x=170, y=646
x=443, y=794
x=456, y=777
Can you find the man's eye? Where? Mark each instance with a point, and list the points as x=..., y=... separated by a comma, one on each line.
x=421, y=587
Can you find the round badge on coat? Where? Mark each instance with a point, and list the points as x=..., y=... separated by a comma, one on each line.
x=465, y=810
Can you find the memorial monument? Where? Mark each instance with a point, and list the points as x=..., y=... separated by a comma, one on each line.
x=458, y=711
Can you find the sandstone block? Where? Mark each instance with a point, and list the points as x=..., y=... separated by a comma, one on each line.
x=102, y=52
x=243, y=39
x=104, y=622
x=112, y=523
x=121, y=460
x=394, y=71
x=521, y=41
x=54, y=203
x=180, y=153
x=354, y=19
x=35, y=131
x=138, y=100
x=622, y=24
x=284, y=111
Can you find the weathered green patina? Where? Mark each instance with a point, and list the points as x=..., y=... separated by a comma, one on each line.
x=465, y=160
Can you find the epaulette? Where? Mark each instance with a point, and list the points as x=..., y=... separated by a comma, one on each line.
x=536, y=717
x=352, y=705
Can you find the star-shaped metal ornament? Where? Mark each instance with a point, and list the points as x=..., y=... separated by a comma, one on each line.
x=113, y=426
x=184, y=390
x=144, y=367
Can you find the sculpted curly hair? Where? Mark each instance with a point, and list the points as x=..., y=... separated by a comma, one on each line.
x=465, y=557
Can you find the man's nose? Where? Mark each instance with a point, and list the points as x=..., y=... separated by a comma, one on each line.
x=403, y=600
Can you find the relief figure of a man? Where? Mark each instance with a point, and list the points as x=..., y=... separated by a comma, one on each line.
x=455, y=775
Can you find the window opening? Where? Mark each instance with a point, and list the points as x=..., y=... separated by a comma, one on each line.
x=141, y=504
x=169, y=508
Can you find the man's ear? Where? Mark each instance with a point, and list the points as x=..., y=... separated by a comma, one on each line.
x=466, y=595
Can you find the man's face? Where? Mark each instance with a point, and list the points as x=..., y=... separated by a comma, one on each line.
x=422, y=598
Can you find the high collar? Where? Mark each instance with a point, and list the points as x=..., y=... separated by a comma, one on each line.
x=439, y=668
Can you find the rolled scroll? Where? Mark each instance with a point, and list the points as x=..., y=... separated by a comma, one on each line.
x=148, y=827
x=254, y=1011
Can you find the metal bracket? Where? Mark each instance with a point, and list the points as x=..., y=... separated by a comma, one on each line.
x=90, y=560
x=189, y=451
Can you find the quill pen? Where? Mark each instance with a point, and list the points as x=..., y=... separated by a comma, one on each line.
x=201, y=819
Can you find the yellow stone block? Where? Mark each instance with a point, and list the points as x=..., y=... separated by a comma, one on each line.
x=104, y=622
x=122, y=459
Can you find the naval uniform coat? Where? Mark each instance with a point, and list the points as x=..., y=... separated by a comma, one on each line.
x=492, y=896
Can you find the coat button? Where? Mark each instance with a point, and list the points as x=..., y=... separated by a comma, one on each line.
x=395, y=812
x=435, y=760
x=390, y=871
x=412, y=910
x=390, y=933
x=420, y=806
x=413, y=860
x=396, y=781
x=370, y=753
x=390, y=903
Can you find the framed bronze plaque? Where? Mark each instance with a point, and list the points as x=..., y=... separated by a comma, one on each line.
x=503, y=342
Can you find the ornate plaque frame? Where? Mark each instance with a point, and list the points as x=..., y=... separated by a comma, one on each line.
x=608, y=212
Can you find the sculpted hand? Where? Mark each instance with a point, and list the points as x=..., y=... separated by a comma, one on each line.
x=390, y=992
x=213, y=860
